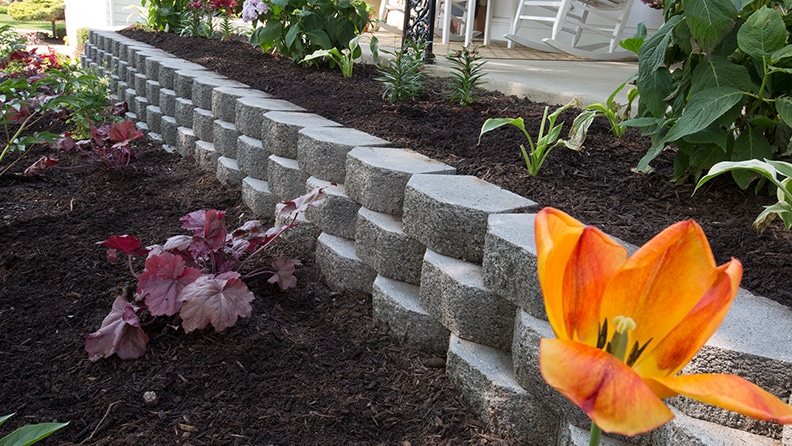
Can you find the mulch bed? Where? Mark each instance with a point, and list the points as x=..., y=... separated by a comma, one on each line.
x=309, y=366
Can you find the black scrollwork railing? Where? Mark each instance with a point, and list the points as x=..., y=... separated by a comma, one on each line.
x=419, y=18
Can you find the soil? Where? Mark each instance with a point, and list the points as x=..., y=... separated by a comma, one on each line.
x=309, y=367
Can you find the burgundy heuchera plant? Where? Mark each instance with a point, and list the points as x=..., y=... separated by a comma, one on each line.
x=197, y=276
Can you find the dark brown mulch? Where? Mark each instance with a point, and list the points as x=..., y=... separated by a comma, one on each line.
x=595, y=185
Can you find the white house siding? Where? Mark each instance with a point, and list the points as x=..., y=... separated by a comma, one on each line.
x=99, y=14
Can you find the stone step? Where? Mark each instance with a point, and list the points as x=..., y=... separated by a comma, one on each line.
x=453, y=292
x=342, y=269
x=322, y=151
x=376, y=176
x=279, y=130
x=381, y=243
x=203, y=86
x=337, y=214
x=452, y=223
x=170, y=130
x=396, y=308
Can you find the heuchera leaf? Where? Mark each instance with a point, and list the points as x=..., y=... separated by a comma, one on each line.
x=208, y=225
x=163, y=280
x=284, y=273
x=40, y=166
x=126, y=244
x=120, y=333
x=123, y=132
x=300, y=204
x=216, y=300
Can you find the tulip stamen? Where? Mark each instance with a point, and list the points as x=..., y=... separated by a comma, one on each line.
x=602, y=339
x=636, y=352
x=618, y=344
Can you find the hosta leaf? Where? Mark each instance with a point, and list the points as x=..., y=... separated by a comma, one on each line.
x=216, y=300
x=710, y=21
x=762, y=34
x=30, y=434
x=163, y=280
x=120, y=333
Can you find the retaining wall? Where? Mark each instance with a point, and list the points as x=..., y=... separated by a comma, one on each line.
x=449, y=260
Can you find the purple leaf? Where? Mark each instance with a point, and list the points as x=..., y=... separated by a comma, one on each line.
x=208, y=225
x=161, y=282
x=284, y=273
x=122, y=133
x=218, y=300
x=40, y=166
x=178, y=243
x=120, y=333
x=126, y=244
x=301, y=203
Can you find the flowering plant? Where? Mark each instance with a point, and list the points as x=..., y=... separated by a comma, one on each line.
x=619, y=344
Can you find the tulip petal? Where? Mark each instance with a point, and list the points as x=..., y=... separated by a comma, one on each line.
x=662, y=282
x=575, y=265
x=612, y=394
x=670, y=354
x=732, y=393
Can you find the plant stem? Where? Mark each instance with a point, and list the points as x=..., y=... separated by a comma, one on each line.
x=596, y=434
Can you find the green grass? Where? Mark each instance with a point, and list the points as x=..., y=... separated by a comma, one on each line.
x=6, y=19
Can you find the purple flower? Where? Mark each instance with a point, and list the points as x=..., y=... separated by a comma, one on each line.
x=252, y=9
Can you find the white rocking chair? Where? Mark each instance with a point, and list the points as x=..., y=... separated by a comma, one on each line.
x=571, y=17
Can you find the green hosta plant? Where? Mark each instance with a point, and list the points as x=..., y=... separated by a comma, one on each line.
x=467, y=73
x=777, y=172
x=344, y=58
x=30, y=434
x=715, y=81
x=545, y=142
x=403, y=76
x=611, y=110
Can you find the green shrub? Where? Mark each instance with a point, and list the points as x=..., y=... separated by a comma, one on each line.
x=403, y=76
x=3, y=9
x=715, y=81
x=10, y=41
x=38, y=10
x=297, y=28
x=164, y=15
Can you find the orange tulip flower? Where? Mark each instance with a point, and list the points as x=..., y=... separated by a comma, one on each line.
x=626, y=326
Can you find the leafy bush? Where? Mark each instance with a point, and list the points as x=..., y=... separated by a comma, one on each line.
x=344, y=58
x=38, y=10
x=10, y=41
x=163, y=15
x=403, y=76
x=3, y=9
x=197, y=276
x=297, y=28
x=715, y=81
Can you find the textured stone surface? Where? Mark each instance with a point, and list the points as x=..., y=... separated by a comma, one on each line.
x=486, y=379
x=510, y=263
x=203, y=124
x=167, y=102
x=381, y=243
x=250, y=112
x=341, y=267
x=154, y=118
x=228, y=172
x=185, y=111
x=202, y=87
x=337, y=214
x=170, y=130
x=139, y=108
x=252, y=157
x=279, y=130
x=185, y=142
x=224, y=101
x=453, y=223
x=224, y=136
x=376, y=176
x=322, y=151
x=303, y=236
x=285, y=178
x=206, y=156
x=453, y=292
x=258, y=198
x=396, y=308
x=152, y=92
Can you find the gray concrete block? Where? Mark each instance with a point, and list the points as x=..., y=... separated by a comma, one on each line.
x=303, y=236
x=252, y=157
x=285, y=178
x=250, y=112
x=341, y=267
x=155, y=138
x=151, y=69
x=168, y=68
x=376, y=176
x=167, y=102
x=337, y=214
x=228, y=172
x=453, y=292
x=152, y=92
x=203, y=86
x=396, y=309
x=183, y=81
x=279, y=130
x=121, y=69
x=140, y=83
x=206, y=156
x=486, y=379
x=510, y=264
x=688, y=431
x=121, y=87
x=454, y=223
x=185, y=142
x=139, y=107
x=154, y=118
x=258, y=198
x=130, y=78
x=224, y=101
x=129, y=97
x=203, y=124
x=381, y=243
x=225, y=137
x=184, y=112
x=142, y=126
x=170, y=130
x=322, y=151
